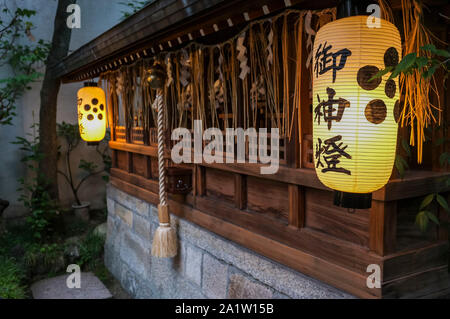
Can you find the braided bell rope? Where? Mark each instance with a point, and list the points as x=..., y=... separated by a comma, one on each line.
x=162, y=171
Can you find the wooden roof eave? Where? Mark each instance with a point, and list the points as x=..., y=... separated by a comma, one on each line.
x=162, y=24
x=128, y=35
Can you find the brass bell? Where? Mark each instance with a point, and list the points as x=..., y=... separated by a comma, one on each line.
x=156, y=76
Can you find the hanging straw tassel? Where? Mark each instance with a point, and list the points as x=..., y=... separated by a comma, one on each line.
x=165, y=240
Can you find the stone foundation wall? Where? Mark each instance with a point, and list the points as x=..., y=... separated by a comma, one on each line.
x=207, y=265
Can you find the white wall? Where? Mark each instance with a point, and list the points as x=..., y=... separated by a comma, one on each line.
x=97, y=16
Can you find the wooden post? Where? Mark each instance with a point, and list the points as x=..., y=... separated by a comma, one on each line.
x=296, y=206
x=148, y=167
x=240, y=191
x=200, y=181
x=129, y=162
x=383, y=227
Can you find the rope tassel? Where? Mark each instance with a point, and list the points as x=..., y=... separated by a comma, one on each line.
x=165, y=239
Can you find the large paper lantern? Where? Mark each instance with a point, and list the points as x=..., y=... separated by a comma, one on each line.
x=92, y=113
x=355, y=118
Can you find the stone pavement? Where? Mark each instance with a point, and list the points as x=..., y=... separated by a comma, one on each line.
x=56, y=288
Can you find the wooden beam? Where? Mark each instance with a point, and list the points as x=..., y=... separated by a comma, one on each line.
x=383, y=227
x=414, y=184
x=134, y=148
x=151, y=185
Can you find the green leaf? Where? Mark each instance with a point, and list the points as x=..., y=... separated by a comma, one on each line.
x=442, y=53
x=433, y=217
x=422, y=220
x=430, y=72
x=406, y=147
x=405, y=64
x=381, y=73
x=399, y=166
x=426, y=201
x=421, y=62
x=443, y=158
x=429, y=47
x=441, y=200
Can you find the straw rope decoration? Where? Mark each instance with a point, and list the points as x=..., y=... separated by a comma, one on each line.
x=263, y=50
x=417, y=109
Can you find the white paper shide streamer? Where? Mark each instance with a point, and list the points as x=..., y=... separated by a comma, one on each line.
x=245, y=69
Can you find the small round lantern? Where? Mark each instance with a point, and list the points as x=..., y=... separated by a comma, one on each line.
x=355, y=115
x=92, y=113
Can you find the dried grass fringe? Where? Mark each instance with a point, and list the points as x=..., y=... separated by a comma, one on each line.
x=281, y=86
x=417, y=109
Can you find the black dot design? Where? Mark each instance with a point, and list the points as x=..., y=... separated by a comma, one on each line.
x=87, y=107
x=390, y=88
x=375, y=111
x=90, y=117
x=391, y=57
x=100, y=117
x=397, y=111
x=101, y=107
x=94, y=101
x=364, y=76
x=95, y=110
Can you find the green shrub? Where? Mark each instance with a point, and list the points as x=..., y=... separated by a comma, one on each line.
x=11, y=277
x=91, y=250
x=44, y=255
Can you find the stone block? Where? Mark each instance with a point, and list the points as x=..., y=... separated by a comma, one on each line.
x=215, y=277
x=241, y=287
x=129, y=280
x=132, y=203
x=112, y=261
x=281, y=278
x=125, y=214
x=193, y=266
x=110, y=205
x=135, y=252
x=142, y=228
x=114, y=231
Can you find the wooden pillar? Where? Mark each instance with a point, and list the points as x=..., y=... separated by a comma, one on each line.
x=199, y=180
x=129, y=162
x=383, y=227
x=296, y=206
x=240, y=191
x=148, y=167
